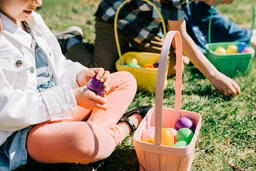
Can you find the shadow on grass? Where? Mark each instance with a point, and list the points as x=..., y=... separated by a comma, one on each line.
x=122, y=159
x=35, y=166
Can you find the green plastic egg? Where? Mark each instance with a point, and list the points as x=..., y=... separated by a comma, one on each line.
x=184, y=134
x=134, y=65
x=180, y=144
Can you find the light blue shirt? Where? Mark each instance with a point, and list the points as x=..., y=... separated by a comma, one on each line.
x=44, y=80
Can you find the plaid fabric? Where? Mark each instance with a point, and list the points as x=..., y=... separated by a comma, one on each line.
x=137, y=18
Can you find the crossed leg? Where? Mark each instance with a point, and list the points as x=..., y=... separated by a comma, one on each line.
x=78, y=141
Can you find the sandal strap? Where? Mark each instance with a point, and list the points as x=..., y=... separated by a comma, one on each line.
x=142, y=111
x=129, y=122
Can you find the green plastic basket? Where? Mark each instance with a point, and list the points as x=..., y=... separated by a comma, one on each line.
x=229, y=64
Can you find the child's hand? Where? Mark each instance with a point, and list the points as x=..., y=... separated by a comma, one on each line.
x=225, y=84
x=88, y=99
x=84, y=76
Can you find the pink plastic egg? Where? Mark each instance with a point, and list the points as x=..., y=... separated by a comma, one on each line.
x=174, y=132
x=247, y=50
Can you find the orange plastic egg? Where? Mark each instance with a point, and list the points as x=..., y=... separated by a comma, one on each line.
x=167, y=136
x=149, y=135
x=148, y=66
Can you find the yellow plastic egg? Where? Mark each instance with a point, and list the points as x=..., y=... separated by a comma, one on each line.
x=232, y=49
x=167, y=137
x=220, y=50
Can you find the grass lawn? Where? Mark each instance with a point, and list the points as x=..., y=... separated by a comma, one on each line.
x=223, y=118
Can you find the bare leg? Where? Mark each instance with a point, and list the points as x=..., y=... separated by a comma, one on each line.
x=75, y=141
x=122, y=91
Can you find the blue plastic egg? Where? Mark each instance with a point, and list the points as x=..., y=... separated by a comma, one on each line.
x=241, y=46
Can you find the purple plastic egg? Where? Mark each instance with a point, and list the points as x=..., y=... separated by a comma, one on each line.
x=156, y=65
x=184, y=122
x=96, y=86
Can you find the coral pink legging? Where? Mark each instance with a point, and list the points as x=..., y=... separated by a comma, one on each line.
x=79, y=141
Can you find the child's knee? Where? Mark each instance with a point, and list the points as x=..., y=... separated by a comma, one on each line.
x=94, y=147
x=129, y=78
x=124, y=80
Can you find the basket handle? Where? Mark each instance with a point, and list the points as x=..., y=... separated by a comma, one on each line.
x=161, y=79
x=115, y=24
x=210, y=22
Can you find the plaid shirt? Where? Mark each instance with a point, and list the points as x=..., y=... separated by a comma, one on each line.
x=137, y=18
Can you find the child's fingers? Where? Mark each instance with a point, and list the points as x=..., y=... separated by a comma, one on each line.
x=107, y=89
x=99, y=106
x=95, y=105
x=96, y=98
x=231, y=90
x=237, y=88
x=105, y=78
x=159, y=39
x=156, y=43
x=90, y=72
x=100, y=72
x=156, y=48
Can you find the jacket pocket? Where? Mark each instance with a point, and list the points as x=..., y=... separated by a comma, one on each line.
x=12, y=66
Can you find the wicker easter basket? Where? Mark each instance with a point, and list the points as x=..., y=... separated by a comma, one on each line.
x=158, y=157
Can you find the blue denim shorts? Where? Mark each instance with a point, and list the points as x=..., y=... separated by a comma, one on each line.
x=13, y=153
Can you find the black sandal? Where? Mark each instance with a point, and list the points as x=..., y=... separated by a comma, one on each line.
x=142, y=111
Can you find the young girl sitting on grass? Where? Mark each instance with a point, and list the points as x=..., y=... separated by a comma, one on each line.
x=46, y=110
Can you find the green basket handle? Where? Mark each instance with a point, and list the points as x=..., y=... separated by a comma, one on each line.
x=115, y=24
x=210, y=22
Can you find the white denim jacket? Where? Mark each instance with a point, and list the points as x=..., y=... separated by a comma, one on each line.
x=20, y=103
